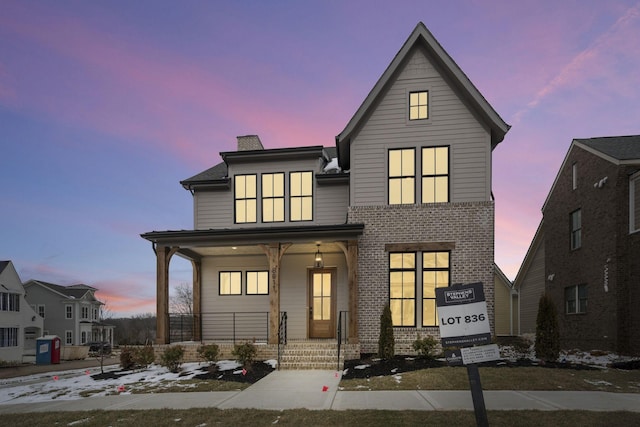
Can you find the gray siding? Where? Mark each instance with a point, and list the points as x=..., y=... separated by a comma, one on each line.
x=450, y=123
x=531, y=289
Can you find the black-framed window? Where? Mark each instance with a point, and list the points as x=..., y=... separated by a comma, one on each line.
x=9, y=301
x=230, y=282
x=419, y=105
x=435, y=174
x=245, y=198
x=273, y=197
x=436, y=273
x=8, y=337
x=402, y=288
x=574, y=176
x=301, y=196
x=402, y=176
x=257, y=282
x=575, y=298
x=576, y=229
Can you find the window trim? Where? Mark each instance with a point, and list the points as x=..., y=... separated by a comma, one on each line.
x=301, y=196
x=409, y=105
x=264, y=198
x=230, y=289
x=575, y=289
x=68, y=311
x=10, y=301
x=415, y=276
x=41, y=310
x=574, y=176
x=236, y=199
x=435, y=175
x=9, y=337
x=68, y=337
x=400, y=177
x=257, y=289
x=434, y=269
x=575, y=233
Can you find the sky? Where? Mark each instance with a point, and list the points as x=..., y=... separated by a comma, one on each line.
x=105, y=106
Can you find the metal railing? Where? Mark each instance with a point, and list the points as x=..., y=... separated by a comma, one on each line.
x=226, y=326
x=282, y=334
x=342, y=334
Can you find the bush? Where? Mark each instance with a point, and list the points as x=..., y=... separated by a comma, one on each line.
x=145, y=356
x=127, y=358
x=386, y=342
x=425, y=346
x=209, y=353
x=245, y=353
x=547, y=344
x=172, y=358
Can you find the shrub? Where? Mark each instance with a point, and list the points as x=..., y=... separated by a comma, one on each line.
x=127, y=358
x=172, y=358
x=425, y=346
x=547, y=344
x=386, y=342
x=144, y=356
x=209, y=352
x=245, y=353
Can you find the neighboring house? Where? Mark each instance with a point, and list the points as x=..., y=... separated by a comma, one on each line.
x=529, y=283
x=327, y=236
x=506, y=301
x=70, y=312
x=19, y=324
x=589, y=246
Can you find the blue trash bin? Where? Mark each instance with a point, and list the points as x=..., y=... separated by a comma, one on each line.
x=45, y=349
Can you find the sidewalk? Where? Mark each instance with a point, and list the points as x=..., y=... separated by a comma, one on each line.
x=318, y=390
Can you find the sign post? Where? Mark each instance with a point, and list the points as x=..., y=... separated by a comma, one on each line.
x=464, y=322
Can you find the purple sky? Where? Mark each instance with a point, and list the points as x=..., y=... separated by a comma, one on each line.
x=106, y=105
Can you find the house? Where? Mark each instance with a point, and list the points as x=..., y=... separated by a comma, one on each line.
x=312, y=242
x=529, y=283
x=506, y=303
x=588, y=246
x=71, y=312
x=19, y=324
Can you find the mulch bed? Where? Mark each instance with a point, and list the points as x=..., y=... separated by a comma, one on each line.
x=254, y=373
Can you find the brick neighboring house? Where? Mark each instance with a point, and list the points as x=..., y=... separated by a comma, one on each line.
x=401, y=205
x=591, y=245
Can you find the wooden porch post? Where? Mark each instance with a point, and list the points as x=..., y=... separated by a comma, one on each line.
x=351, y=255
x=163, y=255
x=274, y=252
x=197, y=298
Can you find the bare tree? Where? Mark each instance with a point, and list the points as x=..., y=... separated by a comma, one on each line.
x=182, y=300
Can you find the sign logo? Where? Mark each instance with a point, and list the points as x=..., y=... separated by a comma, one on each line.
x=459, y=296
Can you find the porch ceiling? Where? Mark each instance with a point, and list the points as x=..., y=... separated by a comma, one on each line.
x=298, y=248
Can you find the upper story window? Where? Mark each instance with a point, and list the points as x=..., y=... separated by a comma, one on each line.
x=435, y=174
x=574, y=176
x=68, y=311
x=95, y=314
x=575, y=298
x=435, y=274
x=230, y=282
x=576, y=229
x=245, y=198
x=301, y=196
x=402, y=288
x=257, y=282
x=41, y=311
x=85, y=312
x=273, y=197
x=634, y=203
x=419, y=105
x=402, y=176
x=9, y=301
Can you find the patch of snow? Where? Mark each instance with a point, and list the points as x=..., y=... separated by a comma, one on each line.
x=361, y=367
x=394, y=370
x=272, y=362
x=398, y=378
x=227, y=365
x=599, y=382
x=332, y=165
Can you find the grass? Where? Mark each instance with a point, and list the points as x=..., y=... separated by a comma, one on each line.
x=521, y=378
x=254, y=417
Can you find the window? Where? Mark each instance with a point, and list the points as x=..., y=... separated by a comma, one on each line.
x=402, y=288
x=634, y=203
x=68, y=311
x=435, y=174
x=575, y=298
x=9, y=301
x=41, y=311
x=84, y=312
x=402, y=176
x=301, y=194
x=83, y=337
x=419, y=105
x=576, y=229
x=245, y=197
x=8, y=337
x=94, y=314
x=230, y=282
x=273, y=197
x=68, y=337
x=574, y=176
x=435, y=274
x=257, y=282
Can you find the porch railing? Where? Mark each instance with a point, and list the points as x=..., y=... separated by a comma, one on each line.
x=226, y=326
x=282, y=334
x=342, y=331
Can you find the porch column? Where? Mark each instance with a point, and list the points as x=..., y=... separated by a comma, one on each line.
x=274, y=252
x=350, y=250
x=163, y=255
x=197, y=299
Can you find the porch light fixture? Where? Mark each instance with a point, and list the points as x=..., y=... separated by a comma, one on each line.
x=318, y=262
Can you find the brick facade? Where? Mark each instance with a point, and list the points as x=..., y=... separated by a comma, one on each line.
x=469, y=225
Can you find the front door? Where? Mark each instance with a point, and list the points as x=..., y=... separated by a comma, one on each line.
x=322, y=303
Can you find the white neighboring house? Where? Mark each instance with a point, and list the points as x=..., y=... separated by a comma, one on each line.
x=70, y=312
x=19, y=323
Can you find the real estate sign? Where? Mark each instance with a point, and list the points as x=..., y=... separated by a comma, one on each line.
x=462, y=314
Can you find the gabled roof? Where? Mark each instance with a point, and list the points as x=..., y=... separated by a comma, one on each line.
x=538, y=239
x=3, y=265
x=423, y=38
x=70, y=292
x=618, y=150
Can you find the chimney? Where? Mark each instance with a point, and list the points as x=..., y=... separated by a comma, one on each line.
x=249, y=142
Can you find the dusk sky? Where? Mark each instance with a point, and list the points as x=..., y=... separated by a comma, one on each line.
x=106, y=105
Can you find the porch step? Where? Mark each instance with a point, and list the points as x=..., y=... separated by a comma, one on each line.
x=311, y=355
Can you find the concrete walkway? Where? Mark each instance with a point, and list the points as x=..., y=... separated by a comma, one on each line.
x=318, y=390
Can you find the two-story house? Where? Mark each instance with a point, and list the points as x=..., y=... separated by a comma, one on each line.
x=588, y=246
x=70, y=312
x=327, y=236
x=19, y=324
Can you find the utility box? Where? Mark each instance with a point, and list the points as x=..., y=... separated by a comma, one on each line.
x=48, y=350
